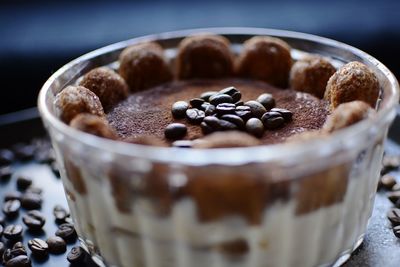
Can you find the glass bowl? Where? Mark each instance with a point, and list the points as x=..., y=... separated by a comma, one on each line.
x=290, y=204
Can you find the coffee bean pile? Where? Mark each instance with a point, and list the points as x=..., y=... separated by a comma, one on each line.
x=388, y=183
x=26, y=202
x=224, y=110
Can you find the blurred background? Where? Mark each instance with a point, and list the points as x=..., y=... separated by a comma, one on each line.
x=37, y=37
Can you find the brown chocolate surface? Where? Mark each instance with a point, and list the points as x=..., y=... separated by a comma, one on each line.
x=148, y=112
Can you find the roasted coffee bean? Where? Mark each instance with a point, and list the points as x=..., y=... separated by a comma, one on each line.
x=213, y=122
x=286, y=114
x=31, y=201
x=24, y=152
x=396, y=231
x=183, y=143
x=220, y=98
x=267, y=100
x=19, y=261
x=272, y=120
x=179, y=109
x=195, y=115
x=205, y=128
x=394, y=196
x=76, y=255
x=236, y=97
x=34, y=220
x=175, y=131
x=243, y=112
x=11, y=207
x=229, y=91
x=6, y=157
x=227, y=126
x=257, y=110
x=204, y=106
x=394, y=216
x=255, y=127
x=39, y=248
x=56, y=244
x=5, y=172
x=2, y=249
x=210, y=110
x=12, y=232
x=387, y=181
x=239, y=103
x=17, y=250
x=196, y=102
x=34, y=190
x=206, y=95
x=19, y=245
x=225, y=108
x=60, y=213
x=234, y=119
x=12, y=195
x=23, y=182
x=67, y=232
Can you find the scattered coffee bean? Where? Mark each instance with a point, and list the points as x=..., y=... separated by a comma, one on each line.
x=56, y=244
x=179, y=109
x=11, y=208
x=210, y=110
x=206, y=95
x=183, y=144
x=196, y=102
x=12, y=232
x=12, y=195
x=175, y=131
x=225, y=108
x=60, y=213
x=34, y=220
x=236, y=97
x=39, y=248
x=396, y=231
x=212, y=122
x=205, y=128
x=5, y=172
x=243, y=112
x=76, y=255
x=6, y=157
x=255, y=127
x=239, y=103
x=195, y=115
x=220, y=98
x=235, y=120
x=394, y=196
x=31, y=201
x=286, y=114
x=67, y=232
x=19, y=261
x=394, y=216
x=19, y=245
x=257, y=110
x=267, y=100
x=272, y=120
x=23, y=182
x=227, y=126
x=387, y=181
x=231, y=90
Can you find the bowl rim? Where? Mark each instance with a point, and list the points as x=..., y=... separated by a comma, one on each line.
x=309, y=149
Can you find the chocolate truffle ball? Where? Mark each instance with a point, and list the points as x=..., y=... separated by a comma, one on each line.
x=107, y=85
x=353, y=81
x=74, y=100
x=311, y=74
x=204, y=56
x=347, y=114
x=143, y=66
x=267, y=59
x=94, y=125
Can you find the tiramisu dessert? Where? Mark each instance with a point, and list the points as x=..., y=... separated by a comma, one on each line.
x=209, y=96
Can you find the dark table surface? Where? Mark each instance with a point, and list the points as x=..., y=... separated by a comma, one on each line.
x=380, y=247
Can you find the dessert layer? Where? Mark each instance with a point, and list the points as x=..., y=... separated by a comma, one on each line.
x=148, y=112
